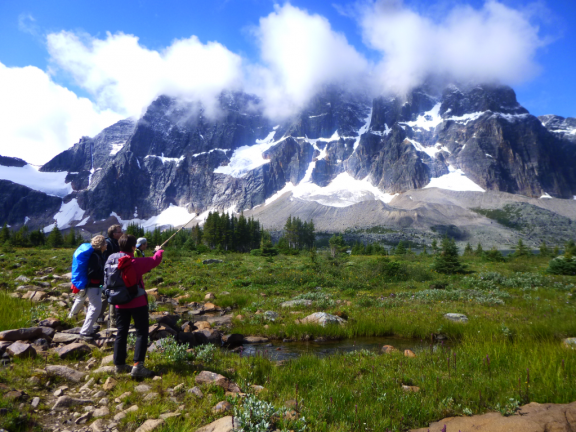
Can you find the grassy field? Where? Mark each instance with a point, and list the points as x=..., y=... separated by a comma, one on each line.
x=508, y=353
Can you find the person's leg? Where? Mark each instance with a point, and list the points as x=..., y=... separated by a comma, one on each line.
x=94, y=306
x=140, y=315
x=141, y=324
x=123, y=325
x=103, y=309
x=78, y=303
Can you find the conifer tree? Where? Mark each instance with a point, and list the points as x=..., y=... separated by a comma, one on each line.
x=434, y=246
x=522, y=250
x=4, y=234
x=468, y=251
x=479, y=250
x=448, y=261
x=54, y=239
x=400, y=248
x=544, y=250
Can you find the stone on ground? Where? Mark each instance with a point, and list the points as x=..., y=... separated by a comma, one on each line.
x=150, y=425
x=409, y=353
x=295, y=303
x=255, y=339
x=21, y=350
x=456, y=317
x=207, y=377
x=74, y=350
x=65, y=372
x=65, y=338
x=533, y=417
x=109, y=384
x=64, y=402
x=222, y=407
x=221, y=425
x=323, y=319
x=142, y=388
x=196, y=392
x=21, y=334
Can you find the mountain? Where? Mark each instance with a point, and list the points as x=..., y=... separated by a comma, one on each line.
x=343, y=150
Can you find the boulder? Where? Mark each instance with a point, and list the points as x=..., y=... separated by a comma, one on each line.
x=21, y=350
x=208, y=336
x=296, y=303
x=22, y=278
x=323, y=319
x=388, y=349
x=209, y=296
x=221, y=425
x=222, y=407
x=51, y=322
x=48, y=332
x=64, y=402
x=21, y=334
x=65, y=372
x=74, y=350
x=187, y=338
x=202, y=325
x=207, y=377
x=150, y=425
x=254, y=339
x=167, y=320
x=35, y=296
x=271, y=315
x=233, y=340
x=409, y=353
x=533, y=417
x=456, y=317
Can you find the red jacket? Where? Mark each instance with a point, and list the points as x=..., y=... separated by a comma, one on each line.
x=140, y=266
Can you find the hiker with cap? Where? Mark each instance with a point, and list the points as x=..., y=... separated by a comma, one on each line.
x=141, y=246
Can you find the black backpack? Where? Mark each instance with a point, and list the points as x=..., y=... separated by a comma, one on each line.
x=115, y=289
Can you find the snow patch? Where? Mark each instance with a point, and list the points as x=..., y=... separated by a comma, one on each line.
x=511, y=117
x=173, y=215
x=68, y=213
x=464, y=119
x=455, y=180
x=51, y=183
x=26, y=219
x=166, y=159
x=209, y=151
x=430, y=151
x=116, y=147
x=247, y=158
x=429, y=120
x=364, y=128
x=545, y=195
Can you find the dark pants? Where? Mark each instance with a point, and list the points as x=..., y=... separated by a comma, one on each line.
x=123, y=316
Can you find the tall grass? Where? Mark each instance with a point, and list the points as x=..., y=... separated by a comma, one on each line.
x=14, y=312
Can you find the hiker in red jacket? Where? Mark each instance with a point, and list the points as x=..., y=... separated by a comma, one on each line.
x=132, y=271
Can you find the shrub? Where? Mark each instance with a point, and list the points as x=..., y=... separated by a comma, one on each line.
x=562, y=266
x=391, y=270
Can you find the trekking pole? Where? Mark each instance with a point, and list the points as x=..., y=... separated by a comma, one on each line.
x=170, y=238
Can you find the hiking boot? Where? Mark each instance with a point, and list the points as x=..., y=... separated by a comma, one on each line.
x=86, y=338
x=139, y=371
x=123, y=368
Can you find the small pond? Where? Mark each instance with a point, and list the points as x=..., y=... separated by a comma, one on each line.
x=277, y=350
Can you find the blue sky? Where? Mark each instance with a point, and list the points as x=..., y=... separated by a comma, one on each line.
x=543, y=76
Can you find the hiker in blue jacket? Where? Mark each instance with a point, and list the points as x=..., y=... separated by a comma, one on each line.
x=92, y=291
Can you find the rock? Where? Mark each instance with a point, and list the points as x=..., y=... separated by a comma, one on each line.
x=222, y=407
x=4, y=345
x=409, y=353
x=388, y=349
x=169, y=415
x=65, y=338
x=233, y=387
x=35, y=296
x=456, y=317
x=323, y=319
x=221, y=425
x=209, y=296
x=202, y=325
x=109, y=384
x=142, y=388
x=83, y=418
x=168, y=320
x=207, y=261
x=48, y=332
x=271, y=315
x=151, y=396
x=196, y=392
x=64, y=402
x=75, y=350
x=35, y=402
x=296, y=303
x=290, y=415
x=153, y=292
x=570, y=343
x=101, y=412
x=98, y=426
x=210, y=307
x=257, y=388
x=239, y=317
x=109, y=359
x=14, y=395
x=533, y=417
x=65, y=372
x=408, y=388
x=21, y=334
x=21, y=350
x=22, y=278
x=187, y=338
x=105, y=370
x=254, y=339
x=87, y=385
x=234, y=339
x=208, y=336
x=150, y=425
x=207, y=377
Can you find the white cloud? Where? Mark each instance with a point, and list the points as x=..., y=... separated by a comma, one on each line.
x=493, y=43
x=125, y=76
x=300, y=52
x=41, y=118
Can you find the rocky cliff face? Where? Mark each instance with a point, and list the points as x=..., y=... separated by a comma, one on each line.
x=178, y=155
